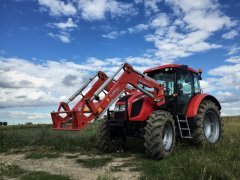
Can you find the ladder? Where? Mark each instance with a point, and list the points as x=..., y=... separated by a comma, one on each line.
x=183, y=126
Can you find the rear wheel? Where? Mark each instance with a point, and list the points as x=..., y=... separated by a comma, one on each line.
x=107, y=140
x=159, y=135
x=208, y=125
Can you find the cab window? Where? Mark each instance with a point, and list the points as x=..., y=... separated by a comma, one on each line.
x=184, y=83
x=165, y=77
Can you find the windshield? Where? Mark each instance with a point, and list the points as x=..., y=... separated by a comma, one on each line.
x=165, y=77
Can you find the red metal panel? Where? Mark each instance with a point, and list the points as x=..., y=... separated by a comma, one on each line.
x=167, y=66
x=147, y=108
x=192, y=108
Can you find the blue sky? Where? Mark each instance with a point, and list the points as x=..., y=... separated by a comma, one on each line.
x=49, y=47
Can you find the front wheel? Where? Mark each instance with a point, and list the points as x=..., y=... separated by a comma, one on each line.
x=159, y=135
x=208, y=125
x=107, y=140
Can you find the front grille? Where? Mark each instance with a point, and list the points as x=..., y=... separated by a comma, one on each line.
x=119, y=115
x=136, y=107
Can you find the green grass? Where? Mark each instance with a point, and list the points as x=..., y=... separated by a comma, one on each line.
x=39, y=175
x=18, y=138
x=10, y=171
x=106, y=177
x=40, y=155
x=94, y=162
x=220, y=161
x=14, y=171
x=129, y=164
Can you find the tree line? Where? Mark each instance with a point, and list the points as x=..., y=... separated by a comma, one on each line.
x=3, y=123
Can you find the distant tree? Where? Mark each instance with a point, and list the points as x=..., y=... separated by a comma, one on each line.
x=1, y=123
x=29, y=123
x=5, y=123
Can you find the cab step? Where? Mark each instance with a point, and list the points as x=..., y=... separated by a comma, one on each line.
x=185, y=131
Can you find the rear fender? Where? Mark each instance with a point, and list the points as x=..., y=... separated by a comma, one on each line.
x=193, y=105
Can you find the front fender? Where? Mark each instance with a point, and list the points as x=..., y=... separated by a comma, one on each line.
x=193, y=105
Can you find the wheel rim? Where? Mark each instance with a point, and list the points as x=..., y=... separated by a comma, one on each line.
x=167, y=136
x=211, y=127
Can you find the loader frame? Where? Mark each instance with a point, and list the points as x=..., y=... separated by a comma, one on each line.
x=92, y=106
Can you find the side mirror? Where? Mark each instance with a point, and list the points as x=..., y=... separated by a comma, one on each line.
x=199, y=73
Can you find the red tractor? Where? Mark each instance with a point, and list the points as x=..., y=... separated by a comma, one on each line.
x=161, y=104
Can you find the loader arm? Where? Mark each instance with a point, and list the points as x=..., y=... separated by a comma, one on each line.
x=92, y=106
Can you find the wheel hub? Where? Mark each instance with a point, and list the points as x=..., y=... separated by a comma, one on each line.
x=211, y=127
x=167, y=136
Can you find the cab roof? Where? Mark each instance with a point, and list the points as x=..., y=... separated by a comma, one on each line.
x=170, y=66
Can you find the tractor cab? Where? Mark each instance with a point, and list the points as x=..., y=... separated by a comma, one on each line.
x=180, y=82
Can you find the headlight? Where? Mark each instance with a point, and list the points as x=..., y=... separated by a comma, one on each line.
x=120, y=107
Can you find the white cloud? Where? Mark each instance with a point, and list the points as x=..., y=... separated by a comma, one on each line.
x=135, y=29
x=226, y=97
x=206, y=85
x=113, y=34
x=52, y=81
x=234, y=59
x=171, y=44
x=58, y=7
x=24, y=83
x=161, y=20
x=224, y=84
x=230, y=34
x=62, y=36
x=226, y=76
x=207, y=21
x=230, y=108
x=69, y=24
x=22, y=116
x=97, y=9
x=150, y=6
x=203, y=15
x=65, y=28
x=233, y=50
x=138, y=28
x=188, y=30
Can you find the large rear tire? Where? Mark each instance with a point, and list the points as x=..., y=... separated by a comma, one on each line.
x=207, y=125
x=107, y=140
x=159, y=135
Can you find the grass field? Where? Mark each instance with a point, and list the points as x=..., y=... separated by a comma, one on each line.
x=221, y=161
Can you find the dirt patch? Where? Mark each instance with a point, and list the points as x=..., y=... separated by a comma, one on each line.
x=69, y=167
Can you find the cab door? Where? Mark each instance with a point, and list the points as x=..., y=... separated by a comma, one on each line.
x=185, y=90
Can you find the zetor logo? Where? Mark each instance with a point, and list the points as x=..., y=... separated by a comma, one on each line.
x=114, y=92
